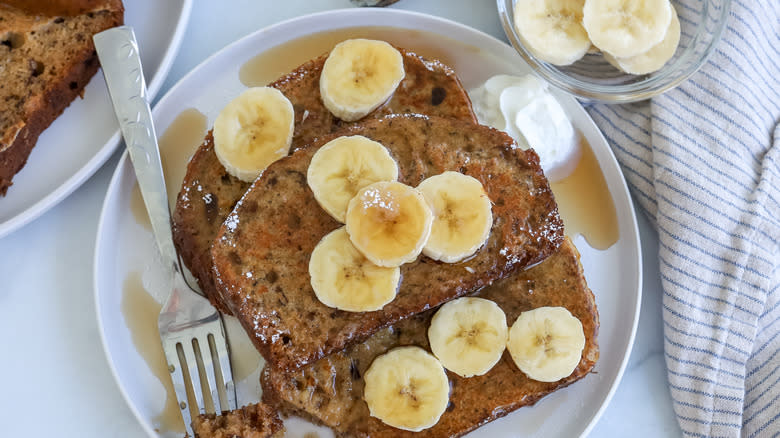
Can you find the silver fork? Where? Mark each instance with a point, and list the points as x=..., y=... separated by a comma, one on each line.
x=191, y=329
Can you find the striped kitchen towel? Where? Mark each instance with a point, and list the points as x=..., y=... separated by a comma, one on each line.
x=703, y=160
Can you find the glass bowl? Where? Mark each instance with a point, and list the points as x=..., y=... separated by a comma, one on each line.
x=593, y=78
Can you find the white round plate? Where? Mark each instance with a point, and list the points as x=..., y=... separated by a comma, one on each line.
x=80, y=140
x=126, y=248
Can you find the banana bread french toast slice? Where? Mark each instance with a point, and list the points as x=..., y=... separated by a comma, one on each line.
x=261, y=254
x=253, y=421
x=330, y=390
x=47, y=57
x=209, y=193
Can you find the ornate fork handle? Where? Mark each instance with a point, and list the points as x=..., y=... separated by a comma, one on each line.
x=125, y=80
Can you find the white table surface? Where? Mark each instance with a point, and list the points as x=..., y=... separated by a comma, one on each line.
x=56, y=381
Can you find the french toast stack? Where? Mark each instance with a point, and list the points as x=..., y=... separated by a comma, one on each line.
x=250, y=245
x=196, y=222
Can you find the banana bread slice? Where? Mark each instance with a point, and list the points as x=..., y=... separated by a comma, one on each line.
x=45, y=62
x=330, y=391
x=209, y=193
x=261, y=254
x=253, y=421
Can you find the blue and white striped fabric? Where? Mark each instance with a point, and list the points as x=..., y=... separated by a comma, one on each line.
x=703, y=160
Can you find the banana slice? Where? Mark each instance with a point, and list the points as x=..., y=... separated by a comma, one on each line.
x=546, y=343
x=626, y=28
x=389, y=223
x=342, y=278
x=656, y=57
x=407, y=388
x=553, y=29
x=462, y=216
x=468, y=335
x=345, y=165
x=358, y=76
x=252, y=131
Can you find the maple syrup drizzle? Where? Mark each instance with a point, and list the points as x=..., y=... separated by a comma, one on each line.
x=177, y=144
x=140, y=311
x=244, y=358
x=585, y=204
x=138, y=208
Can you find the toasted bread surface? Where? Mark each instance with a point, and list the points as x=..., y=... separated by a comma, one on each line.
x=330, y=390
x=45, y=62
x=261, y=254
x=209, y=193
x=253, y=421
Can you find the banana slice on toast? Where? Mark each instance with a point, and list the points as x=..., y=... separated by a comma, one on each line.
x=546, y=343
x=345, y=165
x=389, y=223
x=252, y=131
x=462, y=216
x=344, y=279
x=407, y=388
x=358, y=76
x=468, y=335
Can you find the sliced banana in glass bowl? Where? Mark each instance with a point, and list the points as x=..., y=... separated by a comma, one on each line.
x=614, y=51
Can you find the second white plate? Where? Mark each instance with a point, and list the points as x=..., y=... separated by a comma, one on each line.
x=125, y=254
x=86, y=134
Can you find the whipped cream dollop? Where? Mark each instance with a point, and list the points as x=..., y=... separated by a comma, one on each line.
x=523, y=107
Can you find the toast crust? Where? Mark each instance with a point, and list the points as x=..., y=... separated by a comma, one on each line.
x=261, y=254
x=50, y=92
x=209, y=193
x=329, y=391
x=253, y=421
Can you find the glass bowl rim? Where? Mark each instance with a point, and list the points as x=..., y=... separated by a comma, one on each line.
x=643, y=90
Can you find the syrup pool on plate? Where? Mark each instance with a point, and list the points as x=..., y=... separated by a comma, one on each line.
x=268, y=66
x=584, y=202
x=140, y=311
x=177, y=144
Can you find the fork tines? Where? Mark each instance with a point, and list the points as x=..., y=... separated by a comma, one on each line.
x=199, y=364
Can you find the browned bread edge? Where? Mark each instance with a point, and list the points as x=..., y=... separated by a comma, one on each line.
x=56, y=98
